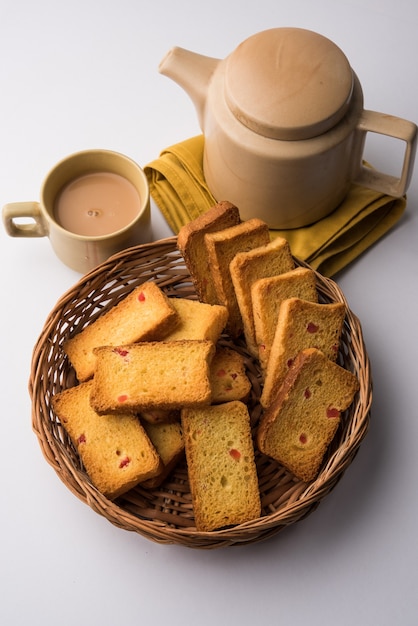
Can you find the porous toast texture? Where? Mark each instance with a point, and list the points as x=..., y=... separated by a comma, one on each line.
x=303, y=418
x=221, y=465
x=267, y=294
x=190, y=242
x=246, y=267
x=221, y=249
x=152, y=375
x=146, y=314
x=301, y=324
x=198, y=320
x=228, y=377
x=168, y=442
x=115, y=450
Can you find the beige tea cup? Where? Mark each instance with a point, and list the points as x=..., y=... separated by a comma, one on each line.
x=92, y=204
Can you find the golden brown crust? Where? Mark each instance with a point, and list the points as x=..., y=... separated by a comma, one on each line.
x=146, y=314
x=115, y=450
x=301, y=324
x=221, y=248
x=169, y=444
x=152, y=375
x=246, y=267
x=190, y=242
x=303, y=417
x=228, y=377
x=221, y=465
x=267, y=294
x=198, y=320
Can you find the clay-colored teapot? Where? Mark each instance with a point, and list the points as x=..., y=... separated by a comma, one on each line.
x=285, y=127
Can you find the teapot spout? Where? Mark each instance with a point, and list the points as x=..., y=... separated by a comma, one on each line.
x=192, y=72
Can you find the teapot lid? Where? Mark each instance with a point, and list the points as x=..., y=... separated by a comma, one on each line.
x=288, y=83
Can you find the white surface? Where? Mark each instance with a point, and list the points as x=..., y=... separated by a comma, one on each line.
x=82, y=75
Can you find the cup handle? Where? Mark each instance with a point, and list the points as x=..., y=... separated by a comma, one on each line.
x=15, y=211
x=372, y=121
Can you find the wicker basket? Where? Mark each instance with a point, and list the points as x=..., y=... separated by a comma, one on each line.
x=165, y=514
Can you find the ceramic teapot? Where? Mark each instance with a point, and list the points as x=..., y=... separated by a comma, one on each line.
x=285, y=127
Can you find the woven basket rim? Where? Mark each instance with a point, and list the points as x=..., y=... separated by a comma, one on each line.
x=286, y=500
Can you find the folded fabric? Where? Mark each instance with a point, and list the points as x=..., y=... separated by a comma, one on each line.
x=178, y=187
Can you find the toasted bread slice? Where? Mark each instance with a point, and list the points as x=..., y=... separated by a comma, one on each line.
x=303, y=418
x=246, y=267
x=198, y=320
x=301, y=324
x=221, y=249
x=146, y=314
x=190, y=241
x=152, y=375
x=168, y=442
x=267, y=294
x=221, y=465
x=228, y=377
x=115, y=450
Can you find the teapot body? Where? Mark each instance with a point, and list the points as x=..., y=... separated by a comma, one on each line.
x=286, y=183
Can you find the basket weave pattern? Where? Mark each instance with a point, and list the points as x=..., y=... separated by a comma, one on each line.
x=165, y=514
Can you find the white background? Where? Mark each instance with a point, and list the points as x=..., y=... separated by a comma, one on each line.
x=83, y=74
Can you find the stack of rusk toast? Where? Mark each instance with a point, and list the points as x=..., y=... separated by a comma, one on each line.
x=155, y=384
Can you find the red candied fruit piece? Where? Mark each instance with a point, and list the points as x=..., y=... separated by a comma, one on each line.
x=236, y=454
x=289, y=362
x=221, y=373
x=123, y=398
x=141, y=297
x=307, y=393
x=262, y=347
x=121, y=351
x=82, y=438
x=233, y=376
x=125, y=462
x=312, y=328
x=332, y=413
x=303, y=438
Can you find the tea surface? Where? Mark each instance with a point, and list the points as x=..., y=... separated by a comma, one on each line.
x=97, y=204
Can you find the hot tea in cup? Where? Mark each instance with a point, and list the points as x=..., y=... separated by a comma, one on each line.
x=93, y=204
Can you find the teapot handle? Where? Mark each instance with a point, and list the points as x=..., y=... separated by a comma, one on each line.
x=372, y=121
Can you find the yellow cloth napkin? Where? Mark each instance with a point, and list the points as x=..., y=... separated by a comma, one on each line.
x=178, y=187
